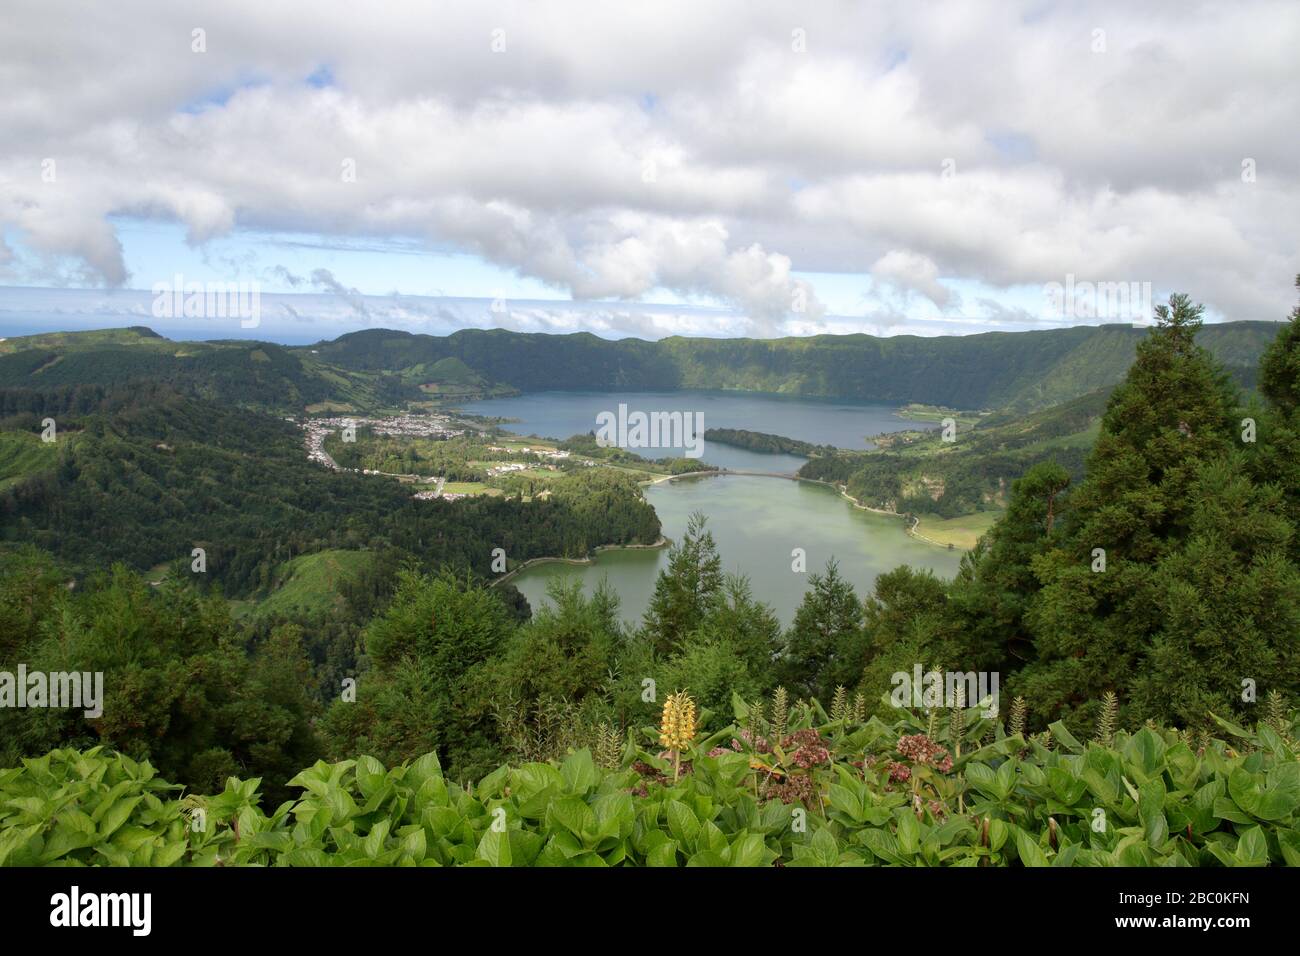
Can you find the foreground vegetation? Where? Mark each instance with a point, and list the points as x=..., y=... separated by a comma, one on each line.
x=813, y=790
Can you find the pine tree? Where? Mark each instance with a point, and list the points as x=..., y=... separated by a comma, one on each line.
x=826, y=645
x=997, y=579
x=1275, y=455
x=1100, y=605
x=1229, y=603
x=687, y=590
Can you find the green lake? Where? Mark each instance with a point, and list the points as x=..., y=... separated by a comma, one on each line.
x=757, y=522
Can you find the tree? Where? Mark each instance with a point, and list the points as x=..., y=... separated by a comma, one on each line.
x=1229, y=603
x=997, y=581
x=746, y=625
x=1098, y=610
x=565, y=654
x=1275, y=456
x=419, y=694
x=826, y=645
x=179, y=686
x=686, y=590
x=907, y=621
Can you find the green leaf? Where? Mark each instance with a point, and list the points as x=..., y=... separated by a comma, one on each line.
x=1232, y=728
x=748, y=849
x=1288, y=842
x=982, y=778
x=1062, y=735
x=683, y=825
x=574, y=815
x=665, y=854
x=1252, y=848
x=1031, y=854
x=1006, y=777
x=909, y=833
x=495, y=847
x=116, y=816
x=739, y=709
x=579, y=772
x=824, y=848
x=846, y=801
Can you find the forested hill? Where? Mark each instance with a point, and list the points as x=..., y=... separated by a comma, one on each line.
x=142, y=475
x=246, y=373
x=1018, y=371
x=1023, y=370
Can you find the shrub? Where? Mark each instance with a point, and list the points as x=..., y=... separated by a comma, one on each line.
x=821, y=792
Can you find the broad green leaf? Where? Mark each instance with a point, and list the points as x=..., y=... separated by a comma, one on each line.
x=494, y=847
x=1028, y=849
x=579, y=772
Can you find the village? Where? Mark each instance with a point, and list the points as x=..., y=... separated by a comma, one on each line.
x=411, y=426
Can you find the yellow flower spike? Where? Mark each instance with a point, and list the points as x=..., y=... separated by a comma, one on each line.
x=677, y=726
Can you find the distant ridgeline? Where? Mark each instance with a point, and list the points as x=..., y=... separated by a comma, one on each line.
x=1020, y=371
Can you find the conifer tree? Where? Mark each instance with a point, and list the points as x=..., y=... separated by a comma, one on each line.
x=1100, y=605
x=1275, y=455
x=1229, y=603
x=686, y=590
x=826, y=645
x=997, y=581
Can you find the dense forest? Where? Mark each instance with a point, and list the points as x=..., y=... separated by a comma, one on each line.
x=764, y=442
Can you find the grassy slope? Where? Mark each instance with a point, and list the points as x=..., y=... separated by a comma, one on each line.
x=1022, y=371
x=309, y=584
x=23, y=454
x=979, y=467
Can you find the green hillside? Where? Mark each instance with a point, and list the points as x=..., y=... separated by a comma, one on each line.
x=380, y=368
x=922, y=474
x=22, y=455
x=1022, y=370
x=153, y=473
x=311, y=584
x=252, y=374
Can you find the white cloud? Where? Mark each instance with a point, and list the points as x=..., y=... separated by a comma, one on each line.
x=611, y=151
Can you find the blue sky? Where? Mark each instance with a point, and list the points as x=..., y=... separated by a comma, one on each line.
x=282, y=266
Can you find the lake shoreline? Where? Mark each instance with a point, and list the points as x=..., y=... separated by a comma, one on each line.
x=590, y=559
x=911, y=528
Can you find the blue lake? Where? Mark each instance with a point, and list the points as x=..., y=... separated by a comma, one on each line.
x=821, y=422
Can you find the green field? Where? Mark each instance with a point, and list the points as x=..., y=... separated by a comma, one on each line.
x=467, y=488
x=960, y=532
x=917, y=412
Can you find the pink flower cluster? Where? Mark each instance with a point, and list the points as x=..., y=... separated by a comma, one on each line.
x=922, y=750
x=808, y=748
